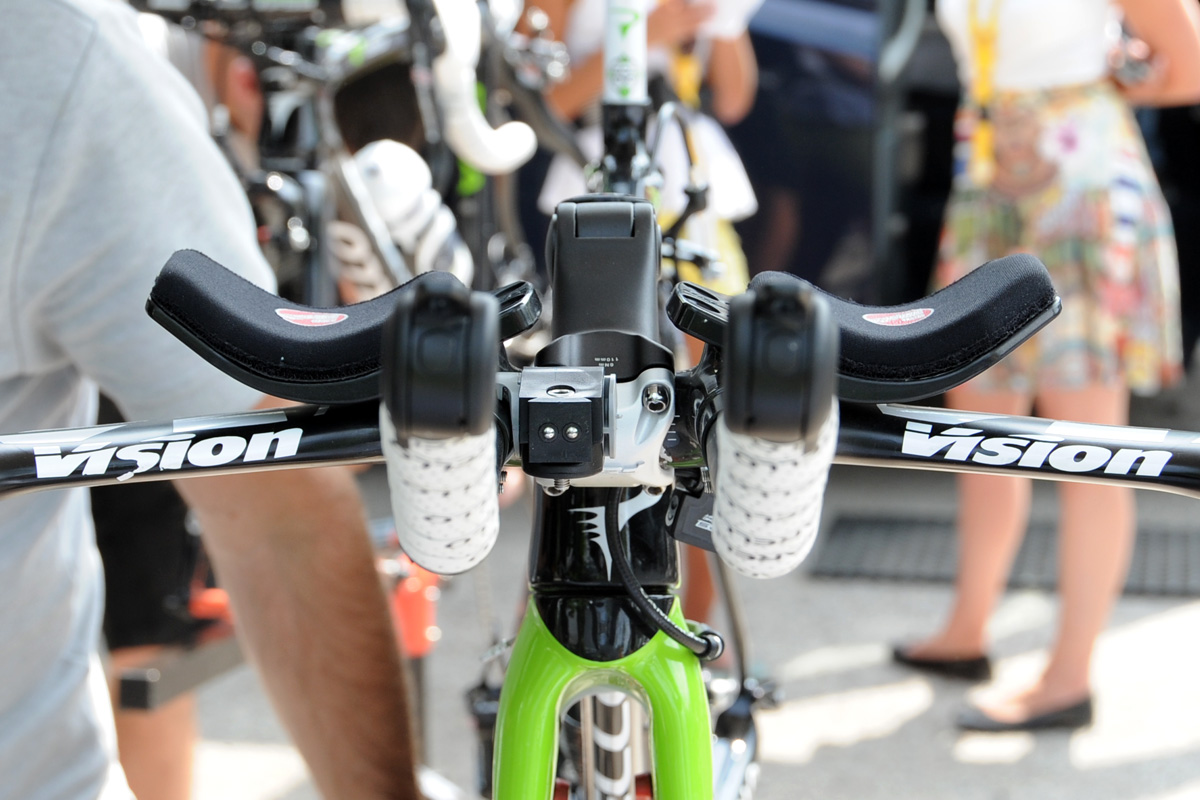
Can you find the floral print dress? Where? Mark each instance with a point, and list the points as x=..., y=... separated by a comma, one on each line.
x=1073, y=186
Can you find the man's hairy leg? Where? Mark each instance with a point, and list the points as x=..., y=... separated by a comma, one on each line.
x=293, y=551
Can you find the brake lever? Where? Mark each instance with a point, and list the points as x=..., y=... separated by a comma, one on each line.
x=525, y=72
x=538, y=61
x=707, y=260
x=697, y=201
x=427, y=45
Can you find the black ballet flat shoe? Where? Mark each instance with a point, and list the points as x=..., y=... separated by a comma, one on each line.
x=972, y=718
x=970, y=669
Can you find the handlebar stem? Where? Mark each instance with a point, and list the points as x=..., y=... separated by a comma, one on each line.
x=626, y=163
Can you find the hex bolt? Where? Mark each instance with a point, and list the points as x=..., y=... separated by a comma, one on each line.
x=571, y=432
x=548, y=432
x=655, y=398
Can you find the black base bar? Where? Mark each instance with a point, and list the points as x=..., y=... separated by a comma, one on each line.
x=285, y=438
x=915, y=437
x=908, y=437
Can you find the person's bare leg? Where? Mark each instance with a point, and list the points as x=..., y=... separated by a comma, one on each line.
x=775, y=250
x=293, y=551
x=157, y=746
x=1096, y=533
x=698, y=588
x=992, y=514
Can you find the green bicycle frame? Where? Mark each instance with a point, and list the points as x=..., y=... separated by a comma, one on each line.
x=544, y=678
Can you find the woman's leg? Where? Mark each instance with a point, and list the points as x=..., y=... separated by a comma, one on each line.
x=699, y=591
x=1096, y=532
x=992, y=515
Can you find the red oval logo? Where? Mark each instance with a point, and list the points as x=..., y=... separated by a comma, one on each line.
x=311, y=319
x=894, y=319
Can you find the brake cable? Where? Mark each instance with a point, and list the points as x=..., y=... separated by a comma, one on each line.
x=704, y=642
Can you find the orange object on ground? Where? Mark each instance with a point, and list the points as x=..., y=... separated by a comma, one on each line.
x=210, y=603
x=414, y=610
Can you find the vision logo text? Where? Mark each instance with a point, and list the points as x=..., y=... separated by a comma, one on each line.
x=1031, y=451
x=165, y=453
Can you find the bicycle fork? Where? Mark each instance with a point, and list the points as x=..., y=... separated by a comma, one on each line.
x=544, y=678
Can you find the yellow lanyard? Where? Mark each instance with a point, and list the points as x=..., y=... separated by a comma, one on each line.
x=984, y=34
x=687, y=76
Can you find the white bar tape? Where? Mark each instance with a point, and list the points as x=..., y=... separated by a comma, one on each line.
x=443, y=497
x=768, y=499
x=493, y=151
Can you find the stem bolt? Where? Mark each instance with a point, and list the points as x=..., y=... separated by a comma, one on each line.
x=571, y=432
x=656, y=398
x=548, y=432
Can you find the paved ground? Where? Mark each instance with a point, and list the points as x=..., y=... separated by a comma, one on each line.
x=853, y=725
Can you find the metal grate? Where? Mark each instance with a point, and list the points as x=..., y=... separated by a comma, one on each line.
x=1165, y=561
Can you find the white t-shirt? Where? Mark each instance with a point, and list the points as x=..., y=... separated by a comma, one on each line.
x=1040, y=43
x=107, y=170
